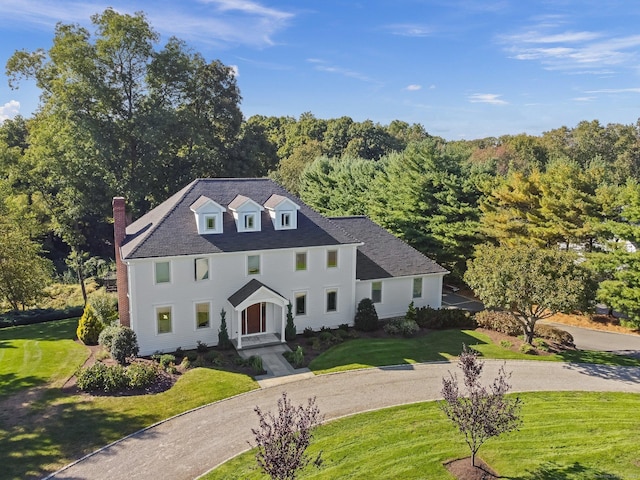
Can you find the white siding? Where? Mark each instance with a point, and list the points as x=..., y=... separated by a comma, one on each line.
x=227, y=274
x=397, y=294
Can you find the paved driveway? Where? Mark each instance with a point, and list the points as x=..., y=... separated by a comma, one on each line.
x=589, y=339
x=189, y=445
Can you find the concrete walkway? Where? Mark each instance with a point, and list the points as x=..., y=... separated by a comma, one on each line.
x=278, y=369
x=189, y=445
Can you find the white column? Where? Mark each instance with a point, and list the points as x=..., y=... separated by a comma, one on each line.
x=284, y=324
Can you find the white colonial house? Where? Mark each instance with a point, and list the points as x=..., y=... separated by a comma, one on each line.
x=249, y=247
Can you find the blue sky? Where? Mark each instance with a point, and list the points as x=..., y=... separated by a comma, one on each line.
x=461, y=68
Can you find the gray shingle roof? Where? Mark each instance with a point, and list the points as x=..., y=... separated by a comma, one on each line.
x=249, y=288
x=170, y=228
x=384, y=255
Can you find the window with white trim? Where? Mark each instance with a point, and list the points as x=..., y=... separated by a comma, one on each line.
x=162, y=272
x=201, y=269
x=163, y=319
x=332, y=301
x=202, y=315
x=301, y=261
x=210, y=223
x=332, y=258
x=253, y=265
x=376, y=292
x=301, y=303
x=249, y=221
x=417, y=287
x=285, y=219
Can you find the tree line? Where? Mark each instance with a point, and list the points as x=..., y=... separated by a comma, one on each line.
x=120, y=114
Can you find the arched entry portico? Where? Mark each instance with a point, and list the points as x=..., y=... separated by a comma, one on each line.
x=257, y=309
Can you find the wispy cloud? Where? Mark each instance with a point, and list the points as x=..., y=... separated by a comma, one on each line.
x=492, y=98
x=209, y=22
x=616, y=90
x=9, y=110
x=324, y=66
x=409, y=30
x=584, y=99
x=571, y=51
x=413, y=87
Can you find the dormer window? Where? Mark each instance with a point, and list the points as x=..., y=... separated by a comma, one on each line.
x=283, y=212
x=208, y=215
x=246, y=213
x=249, y=221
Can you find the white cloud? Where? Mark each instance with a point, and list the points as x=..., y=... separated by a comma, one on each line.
x=409, y=30
x=492, y=98
x=583, y=99
x=9, y=110
x=572, y=51
x=323, y=66
x=413, y=87
x=209, y=22
x=616, y=90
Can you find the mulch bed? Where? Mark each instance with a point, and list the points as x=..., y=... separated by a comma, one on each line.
x=463, y=470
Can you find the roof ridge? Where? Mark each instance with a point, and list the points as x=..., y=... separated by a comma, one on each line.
x=180, y=195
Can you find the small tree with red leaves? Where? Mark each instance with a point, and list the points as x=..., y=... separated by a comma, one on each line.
x=479, y=412
x=282, y=440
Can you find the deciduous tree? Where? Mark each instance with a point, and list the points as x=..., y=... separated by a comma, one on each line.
x=532, y=283
x=282, y=439
x=480, y=413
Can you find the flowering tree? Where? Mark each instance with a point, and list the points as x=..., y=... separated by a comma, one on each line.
x=282, y=440
x=478, y=412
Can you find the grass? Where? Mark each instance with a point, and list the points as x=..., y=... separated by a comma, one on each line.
x=43, y=429
x=37, y=355
x=439, y=346
x=569, y=436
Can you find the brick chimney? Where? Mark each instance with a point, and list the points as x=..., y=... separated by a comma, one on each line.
x=122, y=279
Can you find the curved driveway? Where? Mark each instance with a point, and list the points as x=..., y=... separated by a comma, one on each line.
x=189, y=445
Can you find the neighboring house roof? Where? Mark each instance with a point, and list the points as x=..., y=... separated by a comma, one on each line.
x=170, y=228
x=383, y=255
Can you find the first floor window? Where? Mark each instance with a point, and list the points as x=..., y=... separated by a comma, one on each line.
x=163, y=319
x=201, y=268
x=332, y=300
x=163, y=272
x=376, y=292
x=417, y=287
x=253, y=264
x=301, y=303
x=202, y=315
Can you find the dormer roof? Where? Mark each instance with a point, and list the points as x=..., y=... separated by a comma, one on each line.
x=204, y=204
x=244, y=203
x=275, y=201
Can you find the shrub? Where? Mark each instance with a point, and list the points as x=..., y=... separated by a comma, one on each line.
x=506, y=344
x=316, y=344
x=192, y=356
x=528, y=349
x=201, y=347
x=89, y=327
x=223, y=334
x=298, y=357
x=186, y=363
x=214, y=358
x=412, y=313
x=106, y=336
x=255, y=361
x=308, y=332
x=442, y=318
x=401, y=326
x=165, y=360
x=326, y=336
x=105, y=306
x=100, y=377
x=366, y=318
x=290, y=329
x=554, y=334
x=140, y=375
x=341, y=334
x=124, y=345
x=498, y=321
x=344, y=327
x=540, y=344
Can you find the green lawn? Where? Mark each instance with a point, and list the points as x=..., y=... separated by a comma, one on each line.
x=568, y=436
x=438, y=346
x=35, y=355
x=41, y=432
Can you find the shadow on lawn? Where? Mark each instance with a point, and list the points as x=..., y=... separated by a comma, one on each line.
x=57, y=431
x=575, y=471
x=12, y=383
x=53, y=330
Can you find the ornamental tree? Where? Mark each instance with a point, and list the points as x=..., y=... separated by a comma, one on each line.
x=480, y=413
x=532, y=283
x=282, y=439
